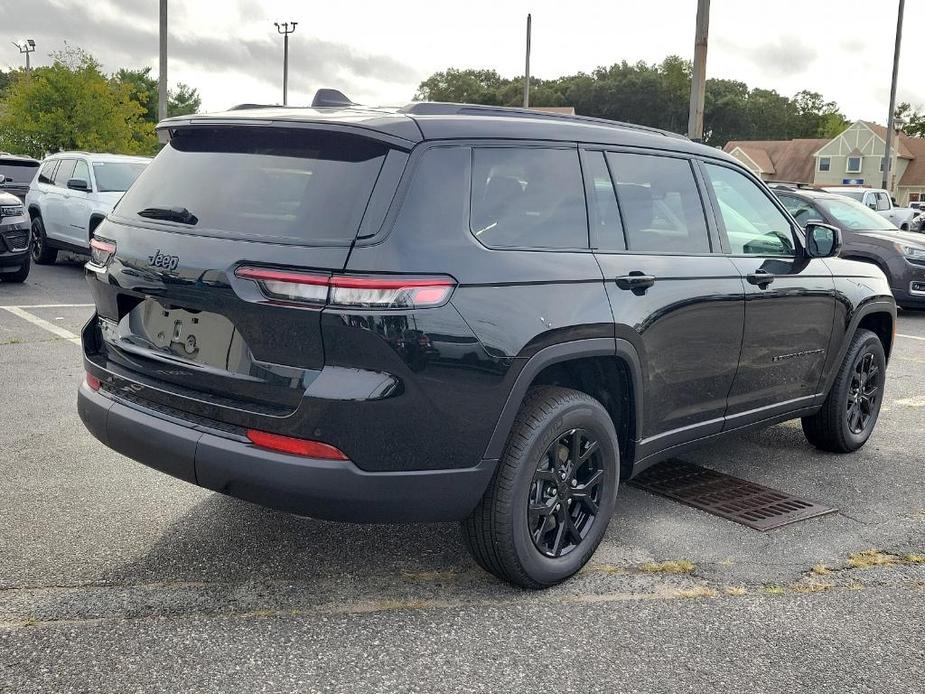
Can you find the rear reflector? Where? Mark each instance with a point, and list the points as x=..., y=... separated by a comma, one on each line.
x=349, y=291
x=289, y=444
x=93, y=382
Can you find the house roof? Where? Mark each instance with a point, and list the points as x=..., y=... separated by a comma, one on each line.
x=786, y=160
x=914, y=175
x=903, y=141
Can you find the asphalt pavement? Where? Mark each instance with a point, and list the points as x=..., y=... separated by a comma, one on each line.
x=116, y=578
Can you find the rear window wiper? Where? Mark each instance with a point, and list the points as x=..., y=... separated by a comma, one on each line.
x=170, y=214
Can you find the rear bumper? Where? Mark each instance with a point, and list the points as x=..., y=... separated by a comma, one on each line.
x=332, y=490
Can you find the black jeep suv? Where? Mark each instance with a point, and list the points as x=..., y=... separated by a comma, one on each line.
x=448, y=312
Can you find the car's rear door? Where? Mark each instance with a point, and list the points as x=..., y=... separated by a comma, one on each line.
x=673, y=293
x=54, y=205
x=789, y=299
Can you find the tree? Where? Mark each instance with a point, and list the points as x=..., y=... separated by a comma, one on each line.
x=914, y=121
x=143, y=87
x=183, y=100
x=72, y=105
x=655, y=95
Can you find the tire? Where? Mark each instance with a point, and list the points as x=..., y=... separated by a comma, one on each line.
x=500, y=533
x=21, y=274
x=849, y=413
x=41, y=253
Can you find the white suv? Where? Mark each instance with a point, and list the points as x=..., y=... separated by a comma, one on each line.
x=72, y=192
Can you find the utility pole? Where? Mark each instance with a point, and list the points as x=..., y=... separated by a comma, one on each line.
x=888, y=158
x=162, y=78
x=26, y=47
x=699, y=74
x=527, y=68
x=285, y=29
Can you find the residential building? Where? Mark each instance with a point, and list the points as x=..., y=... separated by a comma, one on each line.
x=854, y=157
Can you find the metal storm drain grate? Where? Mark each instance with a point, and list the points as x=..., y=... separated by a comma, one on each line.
x=729, y=497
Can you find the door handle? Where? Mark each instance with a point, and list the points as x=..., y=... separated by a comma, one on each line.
x=761, y=278
x=636, y=282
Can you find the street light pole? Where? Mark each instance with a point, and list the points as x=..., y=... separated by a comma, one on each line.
x=527, y=68
x=888, y=160
x=26, y=47
x=285, y=29
x=699, y=73
x=162, y=83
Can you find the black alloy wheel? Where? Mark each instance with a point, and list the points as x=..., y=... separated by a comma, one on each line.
x=863, y=393
x=565, y=494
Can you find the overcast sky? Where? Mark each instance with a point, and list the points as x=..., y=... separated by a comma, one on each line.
x=378, y=52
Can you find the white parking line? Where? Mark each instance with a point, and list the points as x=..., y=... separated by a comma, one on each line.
x=50, y=306
x=42, y=323
x=910, y=337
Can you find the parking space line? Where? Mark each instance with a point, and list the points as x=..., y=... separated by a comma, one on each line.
x=44, y=324
x=50, y=306
x=910, y=337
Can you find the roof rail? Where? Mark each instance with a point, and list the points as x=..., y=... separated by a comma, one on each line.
x=243, y=107
x=440, y=108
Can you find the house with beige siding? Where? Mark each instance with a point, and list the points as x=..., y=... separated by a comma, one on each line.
x=854, y=157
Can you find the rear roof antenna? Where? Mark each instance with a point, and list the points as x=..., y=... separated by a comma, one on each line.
x=326, y=98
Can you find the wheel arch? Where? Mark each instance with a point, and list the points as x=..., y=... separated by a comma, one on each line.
x=878, y=316
x=605, y=368
x=34, y=211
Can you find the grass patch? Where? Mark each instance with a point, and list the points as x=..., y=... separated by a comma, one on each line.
x=870, y=557
x=428, y=576
x=680, y=566
x=608, y=569
x=736, y=591
x=698, y=592
x=773, y=590
x=821, y=570
x=915, y=558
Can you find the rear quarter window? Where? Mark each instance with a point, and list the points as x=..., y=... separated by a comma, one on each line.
x=528, y=197
x=283, y=185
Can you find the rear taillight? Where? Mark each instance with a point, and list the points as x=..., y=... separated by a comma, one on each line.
x=93, y=382
x=289, y=444
x=351, y=291
x=101, y=252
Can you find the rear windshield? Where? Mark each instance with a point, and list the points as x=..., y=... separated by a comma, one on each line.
x=259, y=183
x=116, y=176
x=18, y=171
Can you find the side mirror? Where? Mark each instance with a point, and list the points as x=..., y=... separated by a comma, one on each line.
x=78, y=184
x=822, y=240
x=872, y=205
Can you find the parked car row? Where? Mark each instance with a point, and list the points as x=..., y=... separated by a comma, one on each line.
x=880, y=201
x=867, y=236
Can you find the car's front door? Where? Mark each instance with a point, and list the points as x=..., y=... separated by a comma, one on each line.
x=77, y=204
x=789, y=300
x=673, y=293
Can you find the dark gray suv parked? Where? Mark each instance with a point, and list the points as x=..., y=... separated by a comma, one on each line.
x=867, y=236
x=451, y=312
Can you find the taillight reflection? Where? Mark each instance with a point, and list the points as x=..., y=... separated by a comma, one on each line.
x=101, y=252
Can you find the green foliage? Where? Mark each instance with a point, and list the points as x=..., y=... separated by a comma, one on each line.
x=71, y=104
x=914, y=124
x=655, y=95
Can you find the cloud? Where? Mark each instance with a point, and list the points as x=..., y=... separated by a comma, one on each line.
x=125, y=35
x=784, y=55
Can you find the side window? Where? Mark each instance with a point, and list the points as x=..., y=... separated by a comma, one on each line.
x=81, y=171
x=606, y=229
x=65, y=169
x=883, y=202
x=659, y=203
x=801, y=210
x=754, y=225
x=47, y=172
x=528, y=198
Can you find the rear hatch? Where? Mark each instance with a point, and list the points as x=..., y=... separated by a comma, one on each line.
x=175, y=322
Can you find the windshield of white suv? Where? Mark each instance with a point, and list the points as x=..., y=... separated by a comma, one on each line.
x=116, y=176
x=854, y=216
